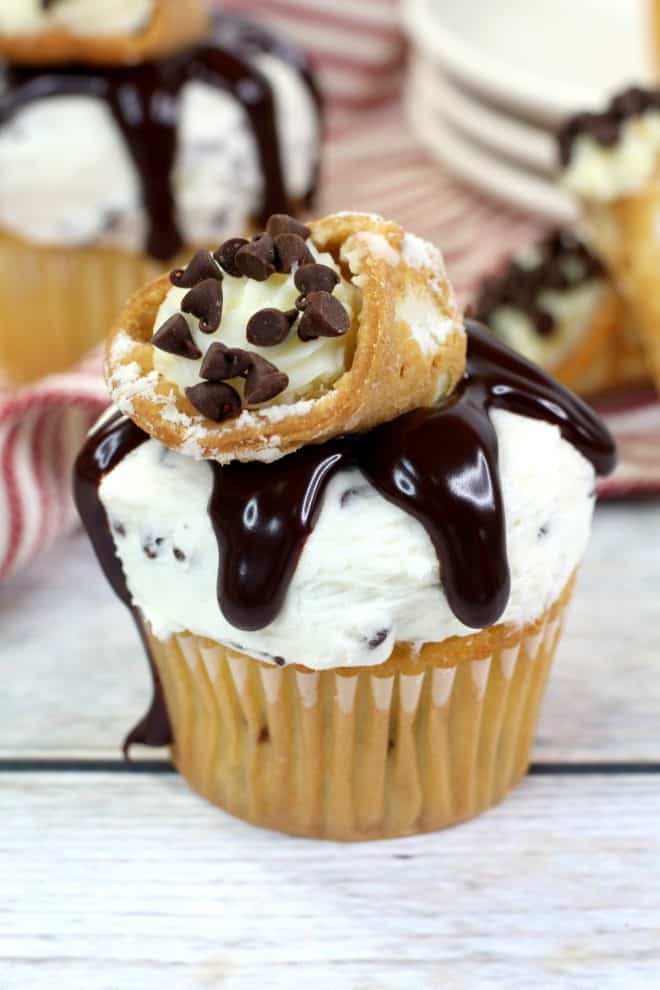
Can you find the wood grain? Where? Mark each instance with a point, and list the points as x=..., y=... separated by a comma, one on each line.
x=83, y=679
x=112, y=881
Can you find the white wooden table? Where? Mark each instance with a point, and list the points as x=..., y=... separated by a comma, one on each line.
x=113, y=879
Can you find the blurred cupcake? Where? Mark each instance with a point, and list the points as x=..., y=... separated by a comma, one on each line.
x=108, y=174
x=555, y=304
x=611, y=163
x=350, y=632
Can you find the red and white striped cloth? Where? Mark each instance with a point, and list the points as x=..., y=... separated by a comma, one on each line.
x=357, y=49
x=373, y=163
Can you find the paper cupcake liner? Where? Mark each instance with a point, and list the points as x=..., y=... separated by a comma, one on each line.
x=367, y=753
x=58, y=303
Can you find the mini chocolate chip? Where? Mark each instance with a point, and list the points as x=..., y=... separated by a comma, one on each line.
x=215, y=400
x=269, y=327
x=280, y=661
x=151, y=546
x=226, y=255
x=378, y=639
x=119, y=529
x=221, y=362
x=205, y=302
x=544, y=323
x=264, y=381
x=315, y=278
x=201, y=266
x=290, y=250
x=179, y=554
x=256, y=260
x=282, y=223
x=174, y=337
x=324, y=316
x=264, y=735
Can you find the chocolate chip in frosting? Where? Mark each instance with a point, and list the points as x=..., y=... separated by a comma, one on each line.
x=201, y=267
x=264, y=381
x=205, y=302
x=221, y=363
x=282, y=223
x=215, y=400
x=324, y=316
x=256, y=260
x=377, y=639
x=174, y=337
x=290, y=250
x=226, y=255
x=270, y=327
x=315, y=278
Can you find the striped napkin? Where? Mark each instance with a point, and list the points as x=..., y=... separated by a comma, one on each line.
x=372, y=163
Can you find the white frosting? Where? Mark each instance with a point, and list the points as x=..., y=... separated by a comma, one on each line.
x=367, y=566
x=599, y=173
x=54, y=186
x=310, y=365
x=80, y=17
x=573, y=310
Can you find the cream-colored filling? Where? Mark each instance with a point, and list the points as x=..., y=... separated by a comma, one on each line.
x=311, y=366
x=599, y=173
x=80, y=17
x=572, y=310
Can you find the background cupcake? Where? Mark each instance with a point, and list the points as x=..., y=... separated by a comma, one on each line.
x=210, y=139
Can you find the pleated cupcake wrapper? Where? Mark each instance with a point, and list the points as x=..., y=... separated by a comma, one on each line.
x=57, y=304
x=342, y=755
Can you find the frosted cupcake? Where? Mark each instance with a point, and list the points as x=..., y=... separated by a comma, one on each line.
x=350, y=627
x=204, y=142
x=555, y=303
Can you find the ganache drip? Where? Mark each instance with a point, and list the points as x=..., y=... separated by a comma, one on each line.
x=439, y=465
x=144, y=99
x=104, y=449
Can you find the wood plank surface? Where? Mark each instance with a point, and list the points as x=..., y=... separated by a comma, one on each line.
x=151, y=887
x=77, y=679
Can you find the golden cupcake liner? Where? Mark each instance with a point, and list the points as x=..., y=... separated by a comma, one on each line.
x=58, y=303
x=419, y=743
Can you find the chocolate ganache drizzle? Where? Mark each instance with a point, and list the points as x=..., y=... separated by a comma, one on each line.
x=144, y=98
x=104, y=449
x=438, y=464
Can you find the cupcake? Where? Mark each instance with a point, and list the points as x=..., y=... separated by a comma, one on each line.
x=555, y=304
x=207, y=140
x=610, y=162
x=348, y=547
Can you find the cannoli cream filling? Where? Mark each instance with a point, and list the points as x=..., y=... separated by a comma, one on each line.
x=601, y=174
x=572, y=310
x=311, y=365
